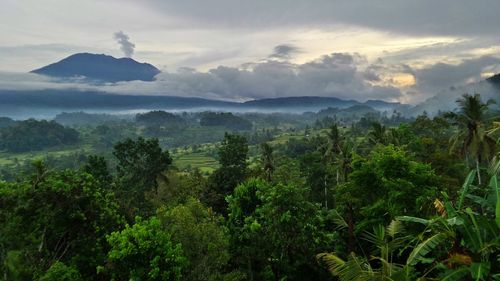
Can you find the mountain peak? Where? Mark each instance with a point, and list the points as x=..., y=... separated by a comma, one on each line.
x=495, y=79
x=100, y=67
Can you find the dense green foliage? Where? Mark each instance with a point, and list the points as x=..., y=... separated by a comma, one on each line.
x=144, y=251
x=233, y=155
x=35, y=135
x=52, y=217
x=260, y=213
x=140, y=164
x=203, y=236
x=317, y=196
x=160, y=118
x=227, y=120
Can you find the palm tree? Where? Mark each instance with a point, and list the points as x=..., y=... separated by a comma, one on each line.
x=334, y=142
x=378, y=134
x=331, y=150
x=472, y=136
x=267, y=160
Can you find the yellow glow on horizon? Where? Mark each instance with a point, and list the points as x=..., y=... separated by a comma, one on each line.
x=403, y=80
x=367, y=42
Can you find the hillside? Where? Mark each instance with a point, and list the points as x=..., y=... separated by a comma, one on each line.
x=102, y=68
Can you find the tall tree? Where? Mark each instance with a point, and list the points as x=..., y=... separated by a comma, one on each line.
x=378, y=134
x=474, y=142
x=232, y=171
x=267, y=160
x=140, y=164
x=334, y=141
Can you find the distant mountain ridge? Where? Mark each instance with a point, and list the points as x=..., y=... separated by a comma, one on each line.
x=495, y=80
x=445, y=100
x=100, y=67
x=300, y=102
x=316, y=103
x=56, y=101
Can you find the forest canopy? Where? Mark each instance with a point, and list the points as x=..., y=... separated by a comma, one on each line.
x=32, y=135
x=307, y=197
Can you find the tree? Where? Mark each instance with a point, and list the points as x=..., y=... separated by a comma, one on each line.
x=275, y=231
x=31, y=135
x=61, y=272
x=378, y=134
x=334, y=142
x=55, y=217
x=98, y=168
x=225, y=119
x=232, y=171
x=233, y=152
x=386, y=184
x=205, y=240
x=472, y=136
x=267, y=160
x=140, y=164
x=159, y=118
x=144, y=251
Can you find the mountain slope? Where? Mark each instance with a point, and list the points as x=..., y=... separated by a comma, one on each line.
x=305, y=101
x=102, y=68
x=445, y=99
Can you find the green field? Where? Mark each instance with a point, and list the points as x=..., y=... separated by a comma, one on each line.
x=195, y=160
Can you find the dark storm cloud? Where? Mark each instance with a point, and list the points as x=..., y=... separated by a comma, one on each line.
x=423, y=17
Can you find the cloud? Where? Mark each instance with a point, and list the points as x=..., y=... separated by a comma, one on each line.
x=335, y=75
x=283, y=52
x=16, y=81
x=126, y=46
x=445, y=99
x=433, y=78
x=423, y=17
x=342, y=75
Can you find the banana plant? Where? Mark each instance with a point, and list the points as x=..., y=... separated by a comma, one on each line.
x=462, y=242
x=382, y=264
x=471, y=228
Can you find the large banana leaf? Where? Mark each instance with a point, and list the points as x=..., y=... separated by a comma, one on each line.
x=496, y=191
x=465, y=189
x=480, y=270
x=424, y=248
x=455, y=275
x=413, y=219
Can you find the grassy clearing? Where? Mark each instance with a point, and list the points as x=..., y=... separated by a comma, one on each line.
x=198, y=160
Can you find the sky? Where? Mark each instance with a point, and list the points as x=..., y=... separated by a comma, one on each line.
x=395, y=50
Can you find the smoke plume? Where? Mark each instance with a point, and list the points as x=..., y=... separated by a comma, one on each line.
x=126, y=46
